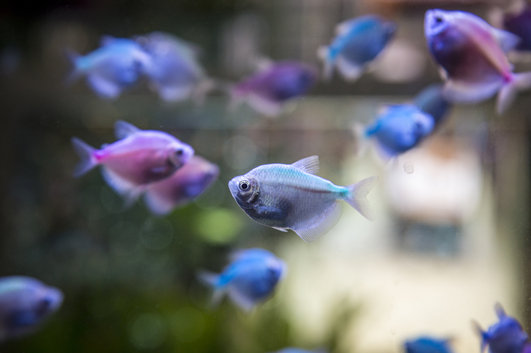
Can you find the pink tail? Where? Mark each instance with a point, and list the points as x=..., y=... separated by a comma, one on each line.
x=507, y=94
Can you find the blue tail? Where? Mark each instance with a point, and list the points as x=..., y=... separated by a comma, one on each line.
x=86, y=153
x=75, y=71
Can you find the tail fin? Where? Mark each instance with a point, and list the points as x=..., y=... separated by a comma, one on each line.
x=482, y=334
x=322, y=53
x=358, y=195
x=508, y=92
x=75, y=71
x=211, y=280
x=86, y=153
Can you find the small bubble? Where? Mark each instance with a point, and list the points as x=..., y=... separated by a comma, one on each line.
x=409, y=168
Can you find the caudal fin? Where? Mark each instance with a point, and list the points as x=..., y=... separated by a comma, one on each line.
x=211, y=280
x=358, y=195
x=322, y=53
x=482, y=334
x=86, y=153
x=507, y=94
x=75, y=71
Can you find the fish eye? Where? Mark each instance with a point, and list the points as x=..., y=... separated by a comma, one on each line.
x=179, y=152
x=438, y=19
x=244, y=185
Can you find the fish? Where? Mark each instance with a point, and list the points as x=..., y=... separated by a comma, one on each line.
x=399, y=128
x=291, y=197
x=182, y=187
x=519, y=24
x=175, y=72
x=116, y=65
x=431, y=101
x=426, y=344
x=268, y=90
x=138, y=158
x=472, y=55
x=25, y=303
x=249, y=279
x=357, y=43
x=504, y=336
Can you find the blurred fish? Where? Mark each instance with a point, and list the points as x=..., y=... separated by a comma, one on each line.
x=271, y=87
x=519, y=24
x=427, y=344
x=527, y=348
x=117, y=64
x=432, y=102
x=24, y=304
x=297, y=350
x=249, y=279
x=472, y=54
x=399, y=128
x=289, y=196
x=175, y=72
x=182, y=187
x=138, y=158
x=505, y=336
x=357, y=43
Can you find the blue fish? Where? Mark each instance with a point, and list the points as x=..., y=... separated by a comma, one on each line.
x=249, y=279
x=431, y=101
x=24, y=304
x=268, y=90
x=519, y=24
x=116, y=65
x=425, y=344
x=399, y=128
x=505, y=336
x=358, y=42
x=290, y=196
x=175, y=72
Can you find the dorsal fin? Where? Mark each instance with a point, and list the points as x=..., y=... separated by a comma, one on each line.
x=106, y=40
x=308, y=165
x=506, y=40
x=123, y=129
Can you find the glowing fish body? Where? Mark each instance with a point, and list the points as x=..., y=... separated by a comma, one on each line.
x=519, y=24
x=426, y=344
x=270, y=88
x=182, y=187
x=505, y=336
x=116, y=65
x=249, y=279
x=472, y=55
x=175, y=72
x=399, y=128
x=24, y=304
x=290, y=196
x=431, y=101
x=358, y=42
x=138, y=158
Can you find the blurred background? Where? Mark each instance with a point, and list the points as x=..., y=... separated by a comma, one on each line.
x=450, y=235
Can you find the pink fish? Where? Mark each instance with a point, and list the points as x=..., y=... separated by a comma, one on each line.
x=182, y=187
x=138, y=158
x=472, y=54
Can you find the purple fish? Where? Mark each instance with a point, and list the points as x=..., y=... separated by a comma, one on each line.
x=520, y=24
x=268, y=90
x=24, y=304
x=138, y=158
x=472, y=54
x=182, y=187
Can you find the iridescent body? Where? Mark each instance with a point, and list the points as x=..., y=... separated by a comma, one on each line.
x=290, y=196
x=505, y=336
x=138, y=158
x=431, y=101
x=399, y=128
x=183, y=186
x=425, y=344
x=116, y=65
x=358, y=42
x=472, y=55
x=249, y=279
x=270, y=88
x=24, y=304
x=175, y=72
x=520, y=24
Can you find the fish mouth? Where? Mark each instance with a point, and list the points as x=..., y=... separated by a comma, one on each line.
x=233, y=186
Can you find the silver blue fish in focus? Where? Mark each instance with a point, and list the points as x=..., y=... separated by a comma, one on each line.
x=249, y=279
x=358, y=42
x=138, y=158
x=175, y=72
x=116, y=65
x=24, y=304
x=505, y=336
x=473, y=57
x=290, y=196
x=427, y=344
